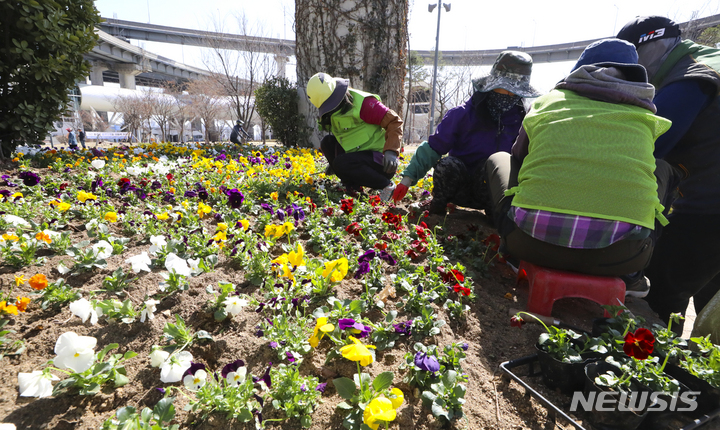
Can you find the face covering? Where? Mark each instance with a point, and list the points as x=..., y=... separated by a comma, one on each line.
x=498, y=103
x=653, y=54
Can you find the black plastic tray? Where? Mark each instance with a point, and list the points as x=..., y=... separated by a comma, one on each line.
x=554, y=412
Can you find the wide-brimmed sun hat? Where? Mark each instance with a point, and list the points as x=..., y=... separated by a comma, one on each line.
x=511, y=72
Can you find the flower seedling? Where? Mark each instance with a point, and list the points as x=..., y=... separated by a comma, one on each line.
x=157, y=418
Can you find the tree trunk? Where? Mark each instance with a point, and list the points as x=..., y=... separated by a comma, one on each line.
x=362, y=40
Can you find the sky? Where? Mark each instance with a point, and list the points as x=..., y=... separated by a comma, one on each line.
x=470, y=24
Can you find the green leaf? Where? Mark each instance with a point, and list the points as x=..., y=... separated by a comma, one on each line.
x=125, y=413
x=220, y=315
x=121, y=380
x=383, y=381
x=344, y=405
x=164, y=410
x=345, y=387
x=449, y=378
x=202, y=334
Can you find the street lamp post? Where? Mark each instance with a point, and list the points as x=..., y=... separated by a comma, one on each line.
x=432, y=7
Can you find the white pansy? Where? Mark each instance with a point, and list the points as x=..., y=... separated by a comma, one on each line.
x=172, y=370
x=158, y=243
x=194, y=264
x=98, y=164
x=158, y=357
x=62, y=268
x=83, y=309
x=102, y=250
x=75, y=352
x=234, y=304
x=237, y=377
x=196, y=381
x=36, y=384
x=140, y=262
x=164, y=159
x=16, y=221
x=137, y=151
x=136, y=171
x=180, y=266
x=149, y=311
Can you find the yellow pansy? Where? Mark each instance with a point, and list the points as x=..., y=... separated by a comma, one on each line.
x=220, y=236
x=111, y=217
x=379, y=410
x=63, y=207
x=297, y=257
x=245, y=224
x=222, y=226
x=399, y=397
x=8, y=309
x=321, y=327
x=84, y=196
x=357, y=351
x=163, y=216
x=10, y=236
x=271, y=230
x=287, y=228
x=274, y=195
x=17, y=195
x=203, y=209
x=336, y=269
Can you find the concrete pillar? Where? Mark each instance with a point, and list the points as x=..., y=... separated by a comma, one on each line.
x=281, y=61
x=96, y=77
x=127, y=73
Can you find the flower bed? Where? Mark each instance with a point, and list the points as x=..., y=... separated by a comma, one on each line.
x=211, y=287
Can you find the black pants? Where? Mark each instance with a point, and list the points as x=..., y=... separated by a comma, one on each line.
x=620, y=258
x=355, y=169
x=686, y=263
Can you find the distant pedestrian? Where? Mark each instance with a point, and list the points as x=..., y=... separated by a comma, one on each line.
x=238, y=133
x=81, y=137
x=71, y=139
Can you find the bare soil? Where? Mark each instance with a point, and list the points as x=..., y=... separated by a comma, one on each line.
x=491, y=402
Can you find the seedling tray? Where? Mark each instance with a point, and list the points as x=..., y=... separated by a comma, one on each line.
x=508, y=368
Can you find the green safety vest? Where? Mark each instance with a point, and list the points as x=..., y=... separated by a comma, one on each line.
x=590, y=158
x=353, y=133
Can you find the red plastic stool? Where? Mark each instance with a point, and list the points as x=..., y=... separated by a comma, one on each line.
x=548, y=285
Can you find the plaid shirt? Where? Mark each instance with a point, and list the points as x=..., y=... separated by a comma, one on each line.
x=574, y=231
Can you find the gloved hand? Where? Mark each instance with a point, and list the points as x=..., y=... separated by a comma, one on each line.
x=390, y=161
x=401, y=189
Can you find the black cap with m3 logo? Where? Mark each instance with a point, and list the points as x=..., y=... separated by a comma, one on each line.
x=645, y=29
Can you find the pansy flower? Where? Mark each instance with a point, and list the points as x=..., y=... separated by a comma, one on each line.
x=321, y=328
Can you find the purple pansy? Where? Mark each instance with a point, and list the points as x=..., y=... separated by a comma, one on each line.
x=426, y=362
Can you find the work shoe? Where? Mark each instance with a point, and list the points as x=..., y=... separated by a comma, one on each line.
x=636, y=285
x=387, y=192
x=329, y=171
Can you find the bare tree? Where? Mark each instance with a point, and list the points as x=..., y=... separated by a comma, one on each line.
x=161, y=107
x=363, y=40
x=206, y=104
x=132, y=108
x=182, y=112
x=239, y=70
x=92, y=121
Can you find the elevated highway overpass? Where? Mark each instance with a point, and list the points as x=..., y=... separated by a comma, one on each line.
x=283, y=48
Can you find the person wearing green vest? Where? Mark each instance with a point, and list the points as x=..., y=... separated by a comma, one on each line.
x=581, y=190
x=686, y=261
x=364, y=144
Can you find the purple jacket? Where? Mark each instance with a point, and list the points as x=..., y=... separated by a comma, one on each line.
x=468, y=133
